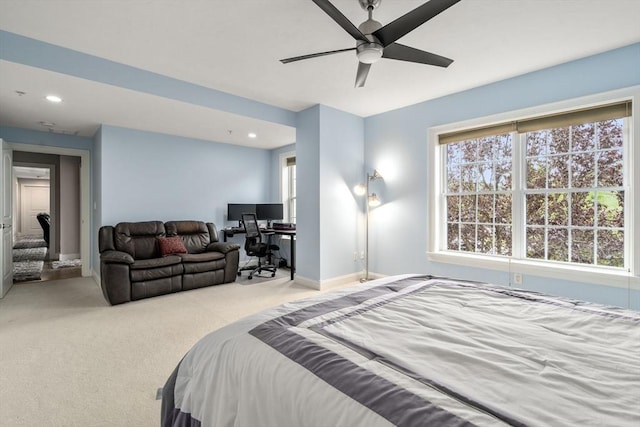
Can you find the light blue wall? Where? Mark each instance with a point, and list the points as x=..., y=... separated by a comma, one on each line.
x=341, y=168
x=151, y=176
x=396, y=143
x=96, y=207
x=308, y=204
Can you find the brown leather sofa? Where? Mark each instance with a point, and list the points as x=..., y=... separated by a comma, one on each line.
x=134, y=266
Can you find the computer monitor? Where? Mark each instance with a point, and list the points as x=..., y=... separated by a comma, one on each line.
x=235, y=211
x=269, y=211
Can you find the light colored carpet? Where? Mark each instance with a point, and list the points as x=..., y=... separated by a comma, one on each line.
x=67, y=358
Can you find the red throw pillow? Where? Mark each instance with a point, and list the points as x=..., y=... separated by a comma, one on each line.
x=171, y=245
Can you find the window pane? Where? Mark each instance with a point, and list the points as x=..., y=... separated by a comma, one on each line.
x=558, y=244
x=535, y=242
x=610, y=168
x=536, y=209
x=485, y=239
x=610, y=208
x=468, y=237
x=537, y=144
x=453, y=208
x=453, y=237
x=503, y=208
x=485, y=149
x=559, y=172
x=583, y=137
x=559, y=140
x=468, y=208
x=468, y=151
x=537, y=172
x=469, y=177
x=582, y=246
x=558, y=209
x=611, y=248
x=503, y=240
x=610, y=133
x=485, y=208
x=453, y=178
x=582, y=209
x=583, y=170
x=486, y=177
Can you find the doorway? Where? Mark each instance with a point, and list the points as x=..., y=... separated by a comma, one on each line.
x=47, y=201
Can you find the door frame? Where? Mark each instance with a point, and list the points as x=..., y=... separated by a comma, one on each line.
x=85, y=194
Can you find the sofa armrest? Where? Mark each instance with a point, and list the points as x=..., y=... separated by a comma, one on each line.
x=116, y=257
x=223, y=247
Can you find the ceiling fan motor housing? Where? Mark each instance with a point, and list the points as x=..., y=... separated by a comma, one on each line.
x=368, y=53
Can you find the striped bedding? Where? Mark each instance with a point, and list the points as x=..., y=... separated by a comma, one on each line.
x=415, y=351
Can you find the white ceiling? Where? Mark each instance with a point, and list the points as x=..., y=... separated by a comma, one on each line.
x=234, y=46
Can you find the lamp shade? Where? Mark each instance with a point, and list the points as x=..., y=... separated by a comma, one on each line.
x=373, y=200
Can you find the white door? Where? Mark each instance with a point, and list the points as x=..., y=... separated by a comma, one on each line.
x=35, y=199
x=6, y=209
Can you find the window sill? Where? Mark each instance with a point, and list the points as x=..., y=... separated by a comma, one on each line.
x=600, y=276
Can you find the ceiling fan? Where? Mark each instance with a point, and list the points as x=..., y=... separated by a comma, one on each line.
x=373, y=41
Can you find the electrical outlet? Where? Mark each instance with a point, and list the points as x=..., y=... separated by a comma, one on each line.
x=355, y=255
x=517, y=278
x=362, y=255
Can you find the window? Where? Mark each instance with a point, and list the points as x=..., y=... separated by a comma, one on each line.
x=551, y=190
x=288, y=180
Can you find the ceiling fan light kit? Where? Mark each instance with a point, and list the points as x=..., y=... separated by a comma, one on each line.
x=375, y=41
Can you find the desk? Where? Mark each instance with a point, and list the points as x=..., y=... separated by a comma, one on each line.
x=291, y=233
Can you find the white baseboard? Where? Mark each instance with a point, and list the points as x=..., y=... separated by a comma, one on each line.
x=95, y=277
x=308, y=283
x=67, y=257
x=333, y=282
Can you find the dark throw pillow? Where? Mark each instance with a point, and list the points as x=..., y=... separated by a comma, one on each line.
x=171, y=245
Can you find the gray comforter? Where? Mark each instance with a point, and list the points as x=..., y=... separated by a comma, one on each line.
x=415, y=351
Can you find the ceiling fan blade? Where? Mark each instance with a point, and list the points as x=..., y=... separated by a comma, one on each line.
x=342, y=20
x=405, y=53
x=412, y=20
x=314, y=55
x=361, y=75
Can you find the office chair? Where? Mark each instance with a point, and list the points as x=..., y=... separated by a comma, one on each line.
x=254, y=246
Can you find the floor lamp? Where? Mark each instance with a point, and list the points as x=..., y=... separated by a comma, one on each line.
x=372, y=202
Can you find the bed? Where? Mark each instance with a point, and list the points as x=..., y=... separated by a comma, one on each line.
x=415, y=350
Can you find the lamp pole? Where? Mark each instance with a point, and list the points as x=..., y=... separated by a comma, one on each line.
x=366, y=233
x=370, y=198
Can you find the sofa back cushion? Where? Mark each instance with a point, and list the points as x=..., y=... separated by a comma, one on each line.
x=138, y=239
x=194, y=234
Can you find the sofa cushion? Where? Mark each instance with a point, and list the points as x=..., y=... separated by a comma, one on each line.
x=138, y=239
x=171, y=245
x=202, y=257
x=141, y=264
x=202, y=267
x=147, y=274
x=195, y=234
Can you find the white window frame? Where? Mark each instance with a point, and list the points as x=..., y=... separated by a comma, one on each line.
x=437, y=251
x=285, y=182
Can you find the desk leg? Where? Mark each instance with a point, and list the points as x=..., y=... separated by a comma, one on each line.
x=293, y=256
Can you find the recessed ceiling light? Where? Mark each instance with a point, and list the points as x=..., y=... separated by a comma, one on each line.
x=53, y=98
x=252, y=135
x=47, y=124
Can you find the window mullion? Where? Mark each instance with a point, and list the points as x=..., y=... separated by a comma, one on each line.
x=518, y=167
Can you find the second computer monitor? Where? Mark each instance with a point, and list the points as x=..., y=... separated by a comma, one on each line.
x=269, y=211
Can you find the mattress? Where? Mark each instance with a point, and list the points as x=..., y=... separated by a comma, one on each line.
x=415, y=350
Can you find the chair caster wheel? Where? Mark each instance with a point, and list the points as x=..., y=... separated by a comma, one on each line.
x=250, y=277
x=239, y=273
x=273, y=274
